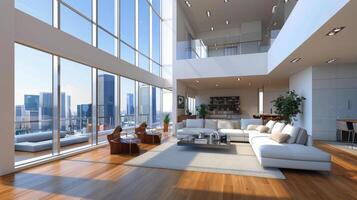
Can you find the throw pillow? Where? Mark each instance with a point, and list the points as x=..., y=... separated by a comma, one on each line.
x=270, y=125
x=279, y=137
x=262, y=129
x=225, y=124
x=302, y=137
x=278, y=127
x=251, y=127
x=292, y=131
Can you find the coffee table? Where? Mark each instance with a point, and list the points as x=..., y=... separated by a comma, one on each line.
x=213, y=141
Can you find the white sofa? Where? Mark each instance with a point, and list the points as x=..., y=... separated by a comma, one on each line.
x=268, y=152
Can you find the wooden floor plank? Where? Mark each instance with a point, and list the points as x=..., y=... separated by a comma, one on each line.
x=99, y=175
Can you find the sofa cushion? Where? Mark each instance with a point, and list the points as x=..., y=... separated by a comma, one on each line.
x=194, y=123
x=267, y=148
x=251, y=127
x=279, y=137
x=278, y=127
x=193, y=131
x=246, y=122
x=270, y=125
x=302, y=137
x=262, y=129
x=292, y=131
x=211, y=124
x=228, y=124
x=233, y=132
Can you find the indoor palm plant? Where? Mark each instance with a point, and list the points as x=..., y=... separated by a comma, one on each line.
x=166, y=122
x=202, y=111
x=288, y=106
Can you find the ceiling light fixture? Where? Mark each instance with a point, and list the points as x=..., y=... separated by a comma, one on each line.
x=197, y=81
x=335, y=31
x=217, y=85
x=212, y=29
x=295, y=60
x=208, y=13
x=226, y=1
x=188, y=4
x=331, y=60
x=238, y=79
x=227, y=22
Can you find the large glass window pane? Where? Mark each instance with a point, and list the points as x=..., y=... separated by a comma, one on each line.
x=156, y=107
x=144, y=62
x=107, y=103
x=166, y=102
x=76, y=104
x=106, y=14
x=127, y=53
x=33, y=103
x=156, y=4
x=41, y=9
x=82, y=6
x=107, y=42
x=144, y=27
x=156, y=38
x=144, y=102
x=75, y=25
x=156, y=69
x=127, y=21
x=127, y=102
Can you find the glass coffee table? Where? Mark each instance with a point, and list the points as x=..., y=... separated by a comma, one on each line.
x=206, y=140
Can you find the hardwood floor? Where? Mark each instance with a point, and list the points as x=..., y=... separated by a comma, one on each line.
x=98, y=175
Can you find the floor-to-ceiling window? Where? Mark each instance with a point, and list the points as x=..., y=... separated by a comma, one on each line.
x=144, y=34
x=76, y=104
x=107, y=25
x=41, y=9
x=166, y=102
x=75, y=19
x=144, y=103
x=33, y=103
x=156, y=107
x=107, y=103
x=127, y=30
x=156, y=37
x=127, y=102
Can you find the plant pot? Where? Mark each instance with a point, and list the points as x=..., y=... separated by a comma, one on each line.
x=166, y=127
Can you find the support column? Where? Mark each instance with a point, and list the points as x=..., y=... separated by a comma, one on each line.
x=7, y=86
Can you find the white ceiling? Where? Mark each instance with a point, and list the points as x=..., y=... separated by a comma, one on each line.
x=234, y=83
x=319, y=48
x=236, y=11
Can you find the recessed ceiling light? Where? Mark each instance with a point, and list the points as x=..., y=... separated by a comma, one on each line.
x=227, y=22
x=197, y=81
x=212, y=29
x=238, y=79
x=188, y=4
x=286, y=1
x=335, y=31
x=295, y=60
x=208, y=13
x=331, y=60
x=217, y=85
x=226, y=1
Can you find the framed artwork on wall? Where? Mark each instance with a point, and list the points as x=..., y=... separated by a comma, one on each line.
x=180, y=102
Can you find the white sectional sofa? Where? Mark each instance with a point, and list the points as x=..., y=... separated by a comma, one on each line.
x=297, y=153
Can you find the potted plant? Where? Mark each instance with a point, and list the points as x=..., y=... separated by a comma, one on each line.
x=166, y=122
x=202, y=111
x=288, y=106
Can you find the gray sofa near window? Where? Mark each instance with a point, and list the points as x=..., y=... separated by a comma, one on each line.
x=297, y=153
x=35, y=142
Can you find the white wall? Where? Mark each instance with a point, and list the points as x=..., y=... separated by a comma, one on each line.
x=334, y=97
x=7, y=86
x=306, y=18
x=224, y=66
x=270, y=94
x=301, y=82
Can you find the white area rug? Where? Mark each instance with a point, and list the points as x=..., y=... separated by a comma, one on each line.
x=239, y=160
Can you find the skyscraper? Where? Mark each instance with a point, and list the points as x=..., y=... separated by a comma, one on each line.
x=32, y=105
x=130, y=104
x=106, y=99
x=46, y=111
